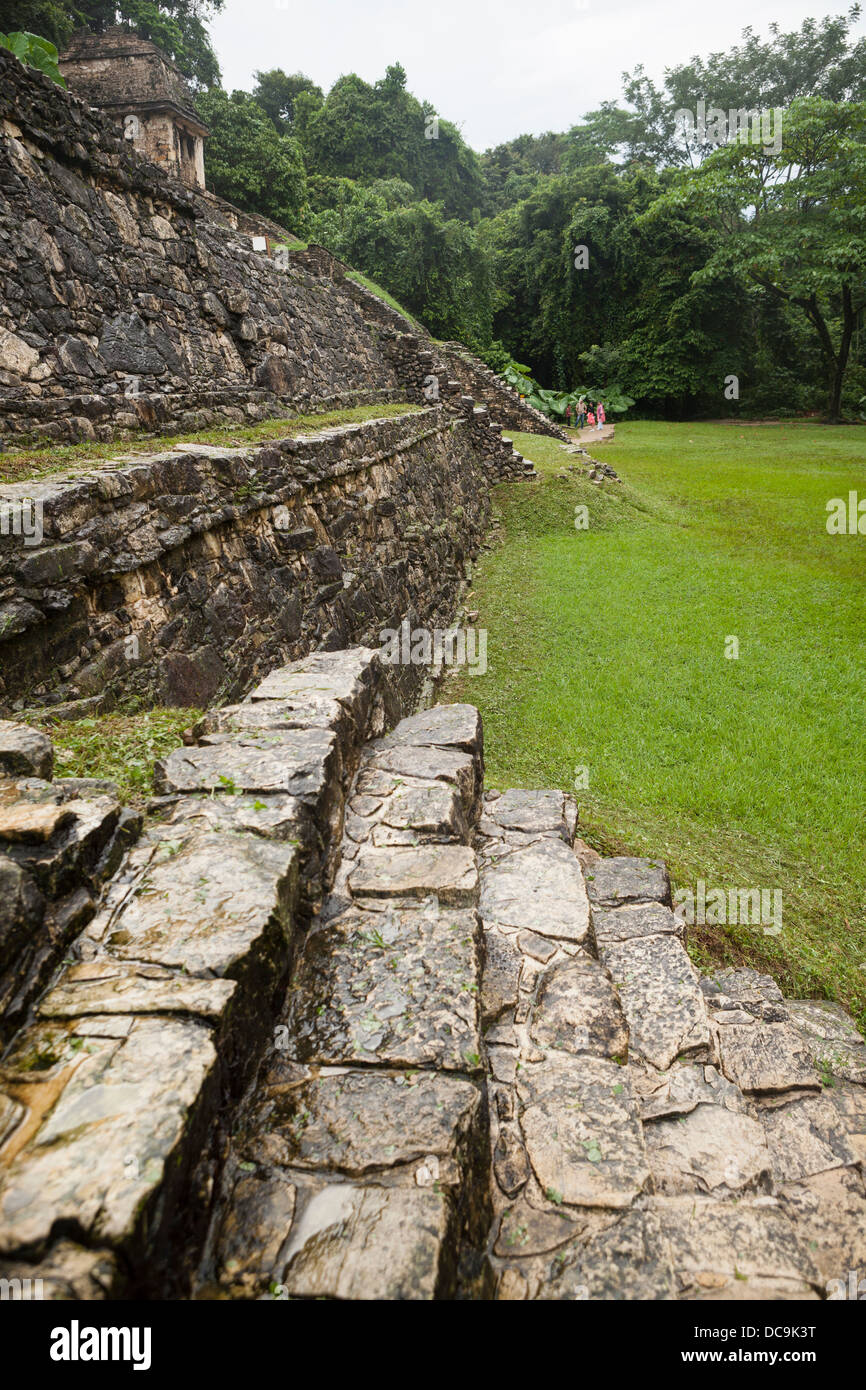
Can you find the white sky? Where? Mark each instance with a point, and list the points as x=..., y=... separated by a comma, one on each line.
x=497, y=68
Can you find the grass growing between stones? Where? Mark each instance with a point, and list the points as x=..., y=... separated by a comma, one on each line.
x=22, y=465
x=120, y=747
x=371, y=285
x=606, y=652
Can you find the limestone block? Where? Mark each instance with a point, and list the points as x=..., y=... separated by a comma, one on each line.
x=578, y=1010
x=581, y=1129
x=539, y=888
x=396, y=988
x=620, y=880
x=661, y=998
x=24, y=752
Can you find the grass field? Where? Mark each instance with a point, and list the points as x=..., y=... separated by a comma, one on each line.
x=606, y=651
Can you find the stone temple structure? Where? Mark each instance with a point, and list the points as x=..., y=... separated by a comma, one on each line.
x=133, y=80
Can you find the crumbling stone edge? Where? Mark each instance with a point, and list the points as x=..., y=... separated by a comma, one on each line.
x=113, y=1099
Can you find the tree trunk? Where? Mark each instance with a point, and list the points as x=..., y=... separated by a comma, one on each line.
x=835, y=363
x=848, y=317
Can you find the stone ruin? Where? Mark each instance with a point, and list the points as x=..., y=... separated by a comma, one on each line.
x=343, y=1024
x=144, y=91
x=334, y=1020
x=131, y=302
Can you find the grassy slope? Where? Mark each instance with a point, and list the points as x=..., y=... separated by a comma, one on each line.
x=606, y=650
x=382, y=294
x=22, y=464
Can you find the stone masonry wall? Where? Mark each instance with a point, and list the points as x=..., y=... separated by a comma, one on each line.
x=125, y=303
x=129, y=302
x=182, y=576
x=453, y=362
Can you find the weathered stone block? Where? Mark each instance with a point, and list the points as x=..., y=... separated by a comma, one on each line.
x=735, y=1252
x=207, y=903
x=663, y=1003
x=362, y=1122
x=766, y=1057
x=711, y=1149
x=501, y=975
x=530, y=812
x=539, y=888
x=447, y=872
x=371, y=1243
x=25, y=752
x=621, y=880
x=638, y=920
x=118, y=1111
x=580, y=1125
x=577, y=1009
x=396, y=988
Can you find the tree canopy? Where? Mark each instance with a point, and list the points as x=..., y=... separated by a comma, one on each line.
x=645, y=249
x=179, y=27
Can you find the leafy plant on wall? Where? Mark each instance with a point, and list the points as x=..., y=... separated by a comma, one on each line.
x=34, y=52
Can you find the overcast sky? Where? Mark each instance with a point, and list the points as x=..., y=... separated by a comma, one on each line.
x=497, y=68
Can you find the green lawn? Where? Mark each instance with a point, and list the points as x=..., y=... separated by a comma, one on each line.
x=606, y=650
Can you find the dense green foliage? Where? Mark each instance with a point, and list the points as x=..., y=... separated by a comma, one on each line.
x=250, y=162
x=639, y=253
x=177, y=26
x=802, y=242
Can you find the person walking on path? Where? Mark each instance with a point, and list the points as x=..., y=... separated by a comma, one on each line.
x=581, y=413
x=568, y=417
x=590, y=419
x=600, y=416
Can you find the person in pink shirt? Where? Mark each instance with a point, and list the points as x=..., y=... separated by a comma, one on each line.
x=600, y=415
x=590, y=419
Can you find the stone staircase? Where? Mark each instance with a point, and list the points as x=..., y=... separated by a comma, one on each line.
x=348, y=1026
x=655, y=1134
x=361, y=1170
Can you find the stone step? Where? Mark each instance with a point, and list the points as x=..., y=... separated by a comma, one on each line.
x=362, y=1173
x=654, y=1134
x=490, y=1067
x=109, y=1100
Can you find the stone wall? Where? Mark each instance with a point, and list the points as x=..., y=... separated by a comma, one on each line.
x=183, y=576
x=418, y=356
x=125, y=304
x=128, y=302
